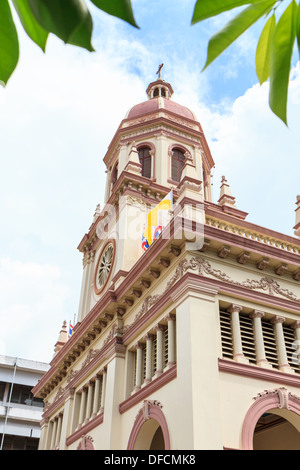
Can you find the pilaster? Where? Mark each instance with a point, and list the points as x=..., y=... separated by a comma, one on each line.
x=197, y=318
x=67, y=419
x=113, y=397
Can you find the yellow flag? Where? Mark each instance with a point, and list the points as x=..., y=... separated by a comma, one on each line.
x=157, y=218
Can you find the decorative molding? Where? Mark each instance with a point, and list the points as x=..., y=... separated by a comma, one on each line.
x=147, y=404
x=204, y=268
x=86, y=443
x=283, y=396
x=266, y=283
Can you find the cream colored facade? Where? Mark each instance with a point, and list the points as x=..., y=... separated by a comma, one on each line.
x=194, y=343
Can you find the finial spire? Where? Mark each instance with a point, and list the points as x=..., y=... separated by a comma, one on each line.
x=158, y=73
x=226, y=198
x=62, y=338
x=297, y=225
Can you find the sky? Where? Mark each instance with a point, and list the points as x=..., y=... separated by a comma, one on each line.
x=60, y=111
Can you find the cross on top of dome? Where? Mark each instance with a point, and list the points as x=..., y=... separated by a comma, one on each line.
x=159, y=88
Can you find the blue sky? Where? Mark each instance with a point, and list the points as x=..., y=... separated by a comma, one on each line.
x=57, y=116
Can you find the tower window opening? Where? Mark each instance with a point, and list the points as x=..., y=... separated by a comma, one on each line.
x=177, y=163
x=145, y=161
x=114, y=174
x=156, y=92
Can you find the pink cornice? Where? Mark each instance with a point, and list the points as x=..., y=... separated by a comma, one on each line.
x=251, y=245
x=256, y=372
x=215, y=211
x=123, y=130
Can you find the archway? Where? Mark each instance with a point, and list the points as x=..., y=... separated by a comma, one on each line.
x=150, y=430
x=273, y=421
x=274, y=432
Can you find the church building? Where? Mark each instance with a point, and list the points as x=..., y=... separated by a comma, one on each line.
x=188, y=327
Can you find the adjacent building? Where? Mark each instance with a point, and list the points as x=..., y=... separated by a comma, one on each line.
x=20, y=411
x=187, y=341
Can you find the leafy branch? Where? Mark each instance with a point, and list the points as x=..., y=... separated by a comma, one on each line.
x=71, y=21
x=275, y=45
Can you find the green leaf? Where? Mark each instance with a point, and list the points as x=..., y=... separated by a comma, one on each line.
x=9, y=44
x=30, y=25
x=120, y=8
x=238, y=25
x=298, y=27
x=263, y=50
x=281, y=57
x=207, y=8
x=70, y=20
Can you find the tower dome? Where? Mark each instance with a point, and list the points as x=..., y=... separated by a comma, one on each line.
x=159, y=95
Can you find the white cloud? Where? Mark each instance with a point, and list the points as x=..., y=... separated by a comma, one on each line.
x=258, y=155
x=33, y=300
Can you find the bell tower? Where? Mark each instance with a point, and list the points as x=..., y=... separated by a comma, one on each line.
x=159, y=146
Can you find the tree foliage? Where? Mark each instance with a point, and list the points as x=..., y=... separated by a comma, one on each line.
x=71, y=21
x=275, y=45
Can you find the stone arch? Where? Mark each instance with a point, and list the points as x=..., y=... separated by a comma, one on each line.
x=277, y=399
x=150, y=414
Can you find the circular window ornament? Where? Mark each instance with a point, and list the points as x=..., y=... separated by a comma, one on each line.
x=104, y=266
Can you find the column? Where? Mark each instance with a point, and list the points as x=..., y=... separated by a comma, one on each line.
x=104, y=377
x=261, y=360
x=67, y=418
x=296, y=344
x=97, y=391
x=53, y=436
x=280, y=343
x=82, y=406
x=238, y=354
x=75, y=411
x=159, y=349
x=139, y=366
x=149, y=358
x=89, y=403
x=58, y=430
x=171, y=319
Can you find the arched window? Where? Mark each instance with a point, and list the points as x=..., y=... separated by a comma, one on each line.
x=156, y=92
x=145, y=161
x=177, y=163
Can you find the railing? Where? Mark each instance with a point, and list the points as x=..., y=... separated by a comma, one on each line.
x=256, y=235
